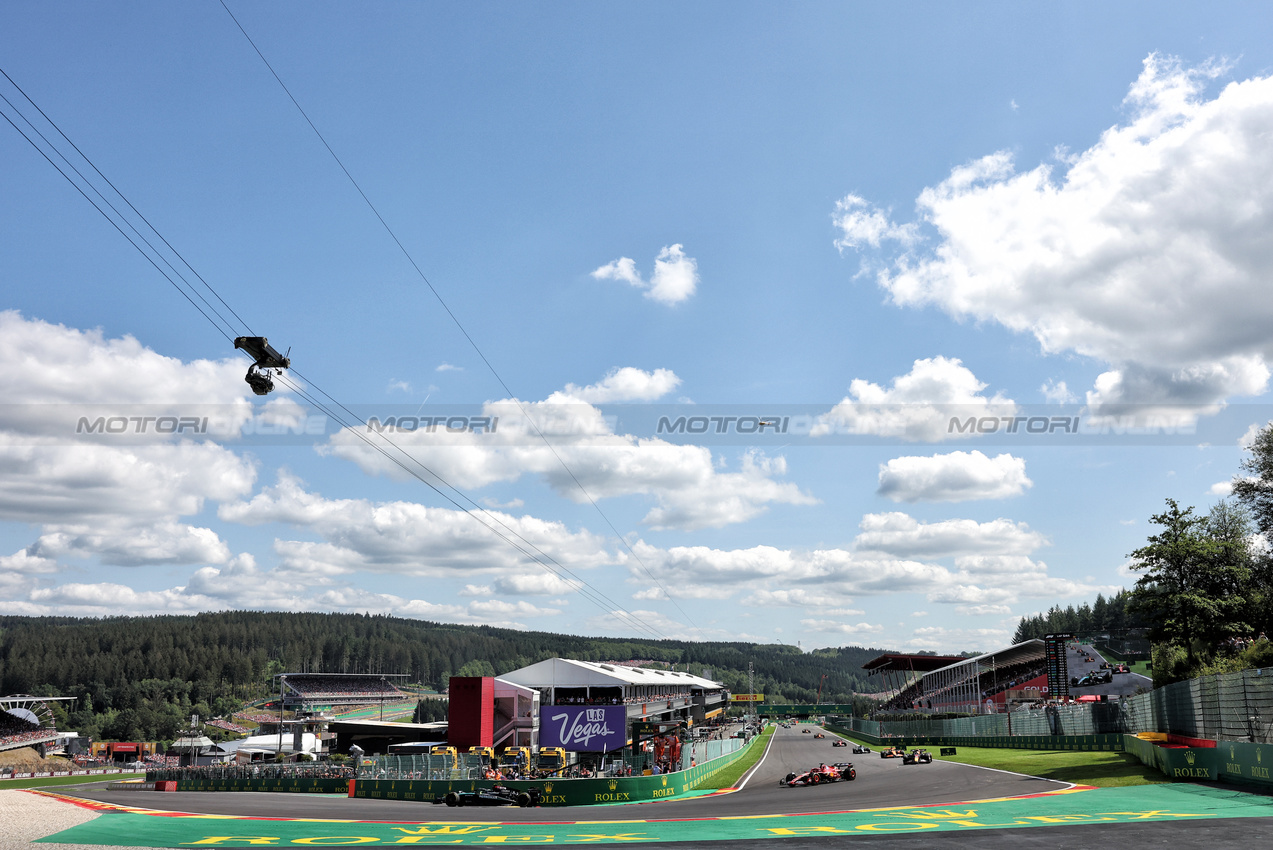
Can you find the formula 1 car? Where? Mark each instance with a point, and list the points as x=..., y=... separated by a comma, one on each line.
x=805, y=731
x=496, y=795
x=821, y=775
x=818, y=735
x=858, y=749
x=918, y=757
x=893, y=752
x=839, y=742
x=1121, y=668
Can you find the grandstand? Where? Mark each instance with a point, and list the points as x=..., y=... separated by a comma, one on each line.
x=323, y=691
x=27, y=721
x=984, y=683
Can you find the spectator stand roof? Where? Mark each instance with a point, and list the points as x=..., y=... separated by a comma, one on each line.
x=957, y=686
x=308, y=689
x=898, y=670
x=568, y=673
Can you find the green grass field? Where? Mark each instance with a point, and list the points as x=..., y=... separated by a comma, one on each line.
x=1101, y=769
x=728, y=778
x=40, y=782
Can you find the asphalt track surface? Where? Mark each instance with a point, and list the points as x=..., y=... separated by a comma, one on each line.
x=881, y=783
x=1123, y=684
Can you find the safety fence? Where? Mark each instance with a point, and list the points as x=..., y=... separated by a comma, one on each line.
x=1225, y=707
x=561, y=792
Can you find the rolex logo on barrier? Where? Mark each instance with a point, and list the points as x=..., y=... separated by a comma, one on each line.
x=1258, y=755
x=1189, y=756
x=548, y=787
x=1233, y=753
x=613, y=784
x=665, y=782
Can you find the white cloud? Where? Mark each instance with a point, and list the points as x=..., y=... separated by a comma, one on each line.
x=1148, y=251
x=1221, y=488
x=404, y=537
x=901, y=535
x=1056, y=392
x=841, y=628
x=918, y=406
x=626, y=384
x=447, y=367
x=862, y=223
x=674, y=280
x=691, y=488
x=953, y=477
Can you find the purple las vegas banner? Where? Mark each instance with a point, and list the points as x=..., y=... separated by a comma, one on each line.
x=583, y=728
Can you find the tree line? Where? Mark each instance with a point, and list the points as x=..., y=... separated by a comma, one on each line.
x=140, y=678
x=1205, y=593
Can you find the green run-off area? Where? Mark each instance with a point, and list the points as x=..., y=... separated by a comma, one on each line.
x=1099, y=806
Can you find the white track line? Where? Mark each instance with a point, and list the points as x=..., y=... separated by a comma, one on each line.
x=755, y=767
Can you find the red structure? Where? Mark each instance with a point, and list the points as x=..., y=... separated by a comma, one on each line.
x=471, y=714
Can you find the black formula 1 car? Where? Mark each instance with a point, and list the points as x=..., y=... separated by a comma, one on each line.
x=839, y=742
x=496, y=795
x=822, y=775
x=918, y=757
x=858, y=749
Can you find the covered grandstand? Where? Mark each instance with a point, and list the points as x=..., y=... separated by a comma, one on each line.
x=317, y=691
x=27, y=721
x=955, y=684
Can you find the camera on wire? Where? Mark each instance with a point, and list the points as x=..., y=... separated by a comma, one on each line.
x=266, y=359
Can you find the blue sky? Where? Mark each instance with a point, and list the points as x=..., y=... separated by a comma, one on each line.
x=868, y=219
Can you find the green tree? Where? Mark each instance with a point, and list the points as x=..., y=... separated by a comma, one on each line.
x=1191, y=587
x=1254, y=489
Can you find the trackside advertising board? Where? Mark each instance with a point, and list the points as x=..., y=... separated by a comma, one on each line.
x=583, y=728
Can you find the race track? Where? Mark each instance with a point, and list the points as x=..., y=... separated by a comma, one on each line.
x=880, y=783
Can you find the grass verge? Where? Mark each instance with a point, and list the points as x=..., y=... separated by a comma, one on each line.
x=729, y=777
x=1101, y=769
x=40, y=782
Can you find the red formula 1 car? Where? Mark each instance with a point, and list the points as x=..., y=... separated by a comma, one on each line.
x=821, y=775
x=839, y=742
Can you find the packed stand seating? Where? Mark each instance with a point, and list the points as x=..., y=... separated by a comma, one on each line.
x=17, y=730
x=228, y=726
x=1005, y=678
x=318, y=687
x=258, y=717
x=906, y=697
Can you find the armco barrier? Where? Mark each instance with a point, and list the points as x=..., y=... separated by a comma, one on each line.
x=1189, y=764
x=560, y=792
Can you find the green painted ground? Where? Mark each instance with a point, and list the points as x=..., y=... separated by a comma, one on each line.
x=729, y=777
x=1175, y=802
x=9, y=784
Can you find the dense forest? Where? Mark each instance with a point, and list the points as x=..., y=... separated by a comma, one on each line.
x=1116, y=614
x=142, y=677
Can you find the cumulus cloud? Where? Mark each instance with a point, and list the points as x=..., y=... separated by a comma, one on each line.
x=862, y=223
x=689, y=485
x=626, y=384
x=901, y=535
x=404, y=538
x=674, y=280
x=1147, y=251
x=917, y=407
x=954, y=477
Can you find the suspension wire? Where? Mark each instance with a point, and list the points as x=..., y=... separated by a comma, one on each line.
x=114, y=224
x=54, y=125
x=455, y=319
x=545, y=560
x=226, y=329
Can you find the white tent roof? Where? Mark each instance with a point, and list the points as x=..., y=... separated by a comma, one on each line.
x=568, y=673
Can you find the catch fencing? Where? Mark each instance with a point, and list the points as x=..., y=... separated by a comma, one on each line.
x=1223, y=707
